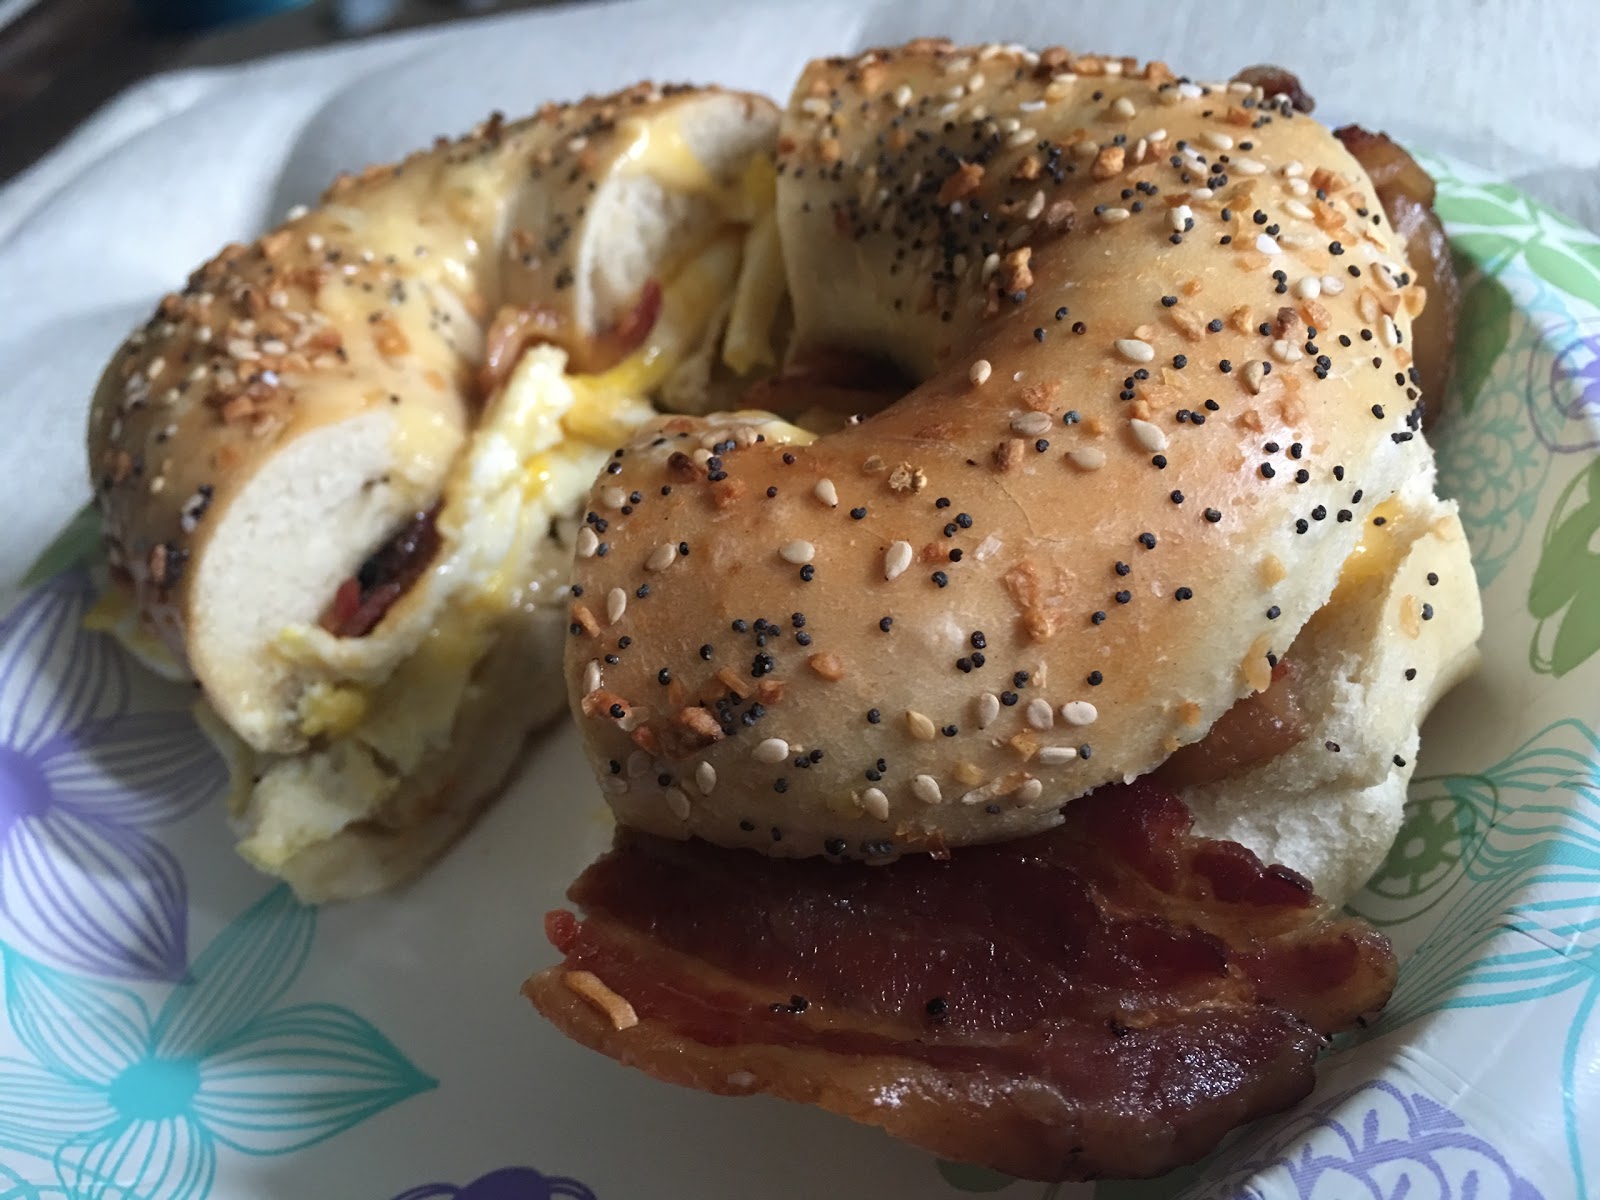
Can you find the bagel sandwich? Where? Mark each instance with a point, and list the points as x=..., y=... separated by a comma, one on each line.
x=992, y=759
x=339, y=472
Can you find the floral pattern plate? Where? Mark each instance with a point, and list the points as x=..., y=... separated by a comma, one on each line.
x=175, y=1027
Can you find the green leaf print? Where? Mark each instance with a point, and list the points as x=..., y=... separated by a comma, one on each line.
x=77, y=543
x=1566, y=584
x=1558, y=266
x=1491, y=204
x=1487, y=251
x=1482, y=332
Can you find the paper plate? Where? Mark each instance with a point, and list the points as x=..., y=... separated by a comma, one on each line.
x=175, y=1027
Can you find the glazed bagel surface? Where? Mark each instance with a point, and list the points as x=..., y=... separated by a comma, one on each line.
x=1160, y=337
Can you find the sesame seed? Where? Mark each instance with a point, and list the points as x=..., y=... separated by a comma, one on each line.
x=616, y=605
x=1254, y=374
x=662, y=557
x=1112, y=215
x=826, y=492
x=1030, y=791
x=921, y=727
x=588, y=542
x=875, y=804
x=1040, y=715
x=1181, y=218
x=1147, y=435
x=1054, y=756
x=1135, y=350
x=770, y=751
x=1248, y=166
x=1080, y=712
x=1267, y=244
x=1031, y=424
x=1087, y=458
x=797, y=552
x=988, y=709
x=896, y=560
x=1123, y=107
x=979, y=372
x=591, y=676
x=1308, y=288
x=926, y=789
x=677, y=802
x=705, y=778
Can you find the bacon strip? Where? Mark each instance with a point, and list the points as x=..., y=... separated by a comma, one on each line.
x=1107, y=999
x=364, y=598
x=1258, y=727
x=517, y=327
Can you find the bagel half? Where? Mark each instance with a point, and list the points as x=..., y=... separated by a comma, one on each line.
x=1164, y=402
x=341, y=416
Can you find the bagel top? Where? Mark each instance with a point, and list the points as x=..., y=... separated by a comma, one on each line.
x=302, y=397
x=1161, y=336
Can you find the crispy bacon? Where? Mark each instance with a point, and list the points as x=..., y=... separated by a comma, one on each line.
x=1276, y=81
x=1261, y=726
x=1107, y=999
x=364, y=598
x=1406, y=192
x=516, y=327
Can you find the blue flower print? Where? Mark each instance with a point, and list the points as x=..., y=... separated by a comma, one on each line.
x=85, y=773
x=121, y=1106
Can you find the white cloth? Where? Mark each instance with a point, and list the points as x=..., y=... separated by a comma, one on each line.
x=165, y=175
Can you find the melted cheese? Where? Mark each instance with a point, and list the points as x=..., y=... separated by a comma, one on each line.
x=605, y=406
x=659, y=149
x=1378, y=553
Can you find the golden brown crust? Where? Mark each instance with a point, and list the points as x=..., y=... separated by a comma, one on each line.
x=1165, y=338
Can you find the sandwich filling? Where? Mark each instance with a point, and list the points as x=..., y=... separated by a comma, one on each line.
x=400, y=669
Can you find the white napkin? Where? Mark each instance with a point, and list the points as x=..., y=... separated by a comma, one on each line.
x=164, y=176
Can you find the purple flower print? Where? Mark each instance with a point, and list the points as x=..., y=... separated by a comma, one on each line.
x=1568, y=419
x=508, y=1183
x=85, y=772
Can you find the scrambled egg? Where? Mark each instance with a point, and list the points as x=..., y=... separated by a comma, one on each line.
x=506, y=522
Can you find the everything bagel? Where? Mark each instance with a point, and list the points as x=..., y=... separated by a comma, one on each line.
x=1164, y=403
x=338, y=493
